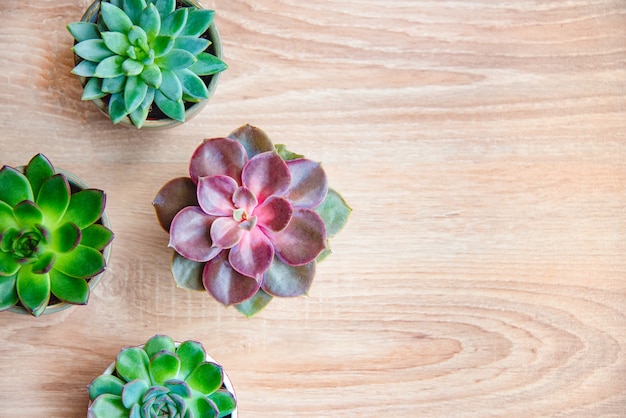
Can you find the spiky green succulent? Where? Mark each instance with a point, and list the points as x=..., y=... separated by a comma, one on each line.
x=161, y=379
x=140, y=52
x=50, y=238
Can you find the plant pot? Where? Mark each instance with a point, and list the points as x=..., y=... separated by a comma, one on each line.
x=156, y=119
x=55, y=305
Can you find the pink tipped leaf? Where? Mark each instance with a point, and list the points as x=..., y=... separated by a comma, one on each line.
x=266, y=174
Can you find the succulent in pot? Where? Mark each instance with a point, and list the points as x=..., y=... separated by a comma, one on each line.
x=147, y=62
x=162, y=379
x=54, y=238
x=250, y=222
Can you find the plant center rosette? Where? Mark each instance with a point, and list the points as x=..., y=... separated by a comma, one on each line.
x=250, y=222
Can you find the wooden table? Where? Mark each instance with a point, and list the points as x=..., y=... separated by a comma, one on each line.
x=482, y=146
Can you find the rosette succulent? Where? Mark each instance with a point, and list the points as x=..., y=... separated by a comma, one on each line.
x=140, y=52
x=250, y=222
x=162, y=379
x=51, y=241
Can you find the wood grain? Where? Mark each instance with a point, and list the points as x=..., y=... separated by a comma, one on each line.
x=482, y=146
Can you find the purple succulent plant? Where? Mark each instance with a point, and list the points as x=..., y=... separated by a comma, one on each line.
x=250, y=221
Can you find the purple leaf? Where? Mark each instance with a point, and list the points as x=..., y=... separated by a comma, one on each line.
x=175, y=195
x=244, y=198
x=308, y=186
x=215, y=195
x=225, y=284
x=302, y=240
x=253, y=139
x=253, y=255
x=274, y=214
x=189, y=234
x=266, y=174
x=226, y=233
x=218, y=157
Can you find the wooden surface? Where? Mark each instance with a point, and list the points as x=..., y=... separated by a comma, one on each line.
x=482, y=146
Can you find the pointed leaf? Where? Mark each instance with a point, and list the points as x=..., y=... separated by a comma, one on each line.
x=44, y=263
x=82, y=262
x=151, y=75
x=81, y=31
x=207, y=64
x=85, y=69
x=33, y=290
x=14, y=186
x=134, y=93
x=133, y=9
x=198, y=22
x=191, y=44
x=176, y=59
x=117, y=108
x=107, y=405
x=206, y=378
x=266, y=174
x=115, y=18
x=105, y=383
x=8, y=291
x=7, y=220
x=224, y=401
x=27, y=214
x=132, y=67
x=162, y=45
x=253, y=139
x=138, y=37
x=192, y=85
x=187, y=273
x=139, y=116
x=92, y=50
x=69, y=289
x=85, y=207
x=96, y=236
x=165, y=7
x=159, y=343
x=39, y=168
x=93, y=89
x=225, y=284
x=65, y=238
x=288, y=281
x=191, y=354
x=132, y=363
x=174, y=23
x=334, y=211
x=150, y=21
x=170, y=85
x=133, y=391
x=54, y=198
x=189, y=234
x=285, y=154
x=164, y=366
x=116, y=42
x=110, y=67
x=172, y=109
x=114, y=85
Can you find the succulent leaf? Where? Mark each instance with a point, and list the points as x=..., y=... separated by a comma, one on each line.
x=206, y=378
x=188, y=234
x=54, y=198
x=69, y=289
x=179, y=387
x=150, y=21
x=176, y=59
x=82, y=31
x=66, y=237
x=7, y=220
x=170, y=85
x=108, y=406
x=308, y=186
x=86, y=207
x=27, y=214
x=225, y=284
x=14, y=186
x=165, y=7
x=192, y=44
x=164, y=366
x=223, y=400
x=334, y=211
x=266, y=174
x=117, y=109
x=82, y=262
x=93, y=89
x=93, y=50
x=284, y=280
x=114, y=18
x=85, y=69
x=134, y=93
x=140, y=114
x=174, y=23
x=202, y=407
x=96, y=236
x=113, y=85
x=175, y=195
x=8, y=265
x=198, y=21
x=187, y=273
x=132, y=68
x=33, y=290
x=303, y=239
x=133, y=9
x=191, y=354
x=110, y=67
x=253, y=139
x=132, y=363
x=151, y=75
x=8, y=292
x=133, y=392
x=116, y=42
x=39, y=168
x=192, y=85
x=207, y=64
x=173, y=109
x=44, y=263
x=159, y=343
x=105, y=383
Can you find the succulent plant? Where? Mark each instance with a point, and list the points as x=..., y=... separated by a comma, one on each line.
x=141, y=52
x=250, y=222
x=50, y=238
x=161, y=379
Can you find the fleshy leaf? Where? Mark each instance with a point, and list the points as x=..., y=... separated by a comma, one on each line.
x=218, y=156
x=206, y=378
x=253, y=255
x=110, y=67
x=132, y=363
x=164, y=366
x=115, y=18
x=69, y=289
x=85, y=69
x=65, y=238
x=225, y=284
x=175, y=195
x=85, y=207
x=132, y=67
x=108, y=406
x=288, y=281
x=14, y=186
x=134, y=93
x=198, y=22
x=334, y=211
x=189, y=234
x=202, y=407
x=150, y=21
x=309, y=185
x=274, y=214
x=8, y=292
x=187, y=273
x=27, y=214
x=93, y=50
x=285, y=154
x=173, y=109
x=116, y=42
x=176, y=59
x=133, y=391
x=81, y=31
x=83, y=262
x=38, y=170
x=266, y=174
x=162, y=45
x=302, y=240
x=93, y=90
x=117, y=108
x=7, y=221
x=191, y=44
x=8, y=265
x=44, y=263
x=224, y=401
x=33, y=290
x=53, y=198
x=170, y=85
x=96, y=236
x=254, y=140
x=165, y=7
x=105, y=383
x=159, y=343
x=215, y=195
x=152, y=76
x=139, y=116
x=133, y=9
x=174, y=23
x=191, y=354
x=207, y=64
x=192, y=85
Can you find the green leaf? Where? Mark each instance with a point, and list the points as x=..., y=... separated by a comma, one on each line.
x=159, y=343
x=165, y=7
x=27, y=214
x=44, y=263
x=53, y=198
x=138, y=37
x=8, y=265
x=255, y=304
x=117, y=108
x=134, y=93
x=176, y=59
x=132, y=67
x=202, y=407
x=113, y=85
x=105, y=383
x=133, y=9
x=93, y=89
x=334, y=212
x=133, y=392
x=192, y=84
x=82, y=31
x=164, y=366
x=65, y=238
x=85, y=207
x=284, y=280
x=174, y=23
x=285, y=154
x=114, y=18
x=173, y=109
x=82, y=262
x=14, y=186
x=132, y=363
x=206, y=378
x=224, y=401
x=208, y=64
x=191, y=44
x=191, y=354
x=150, y=21
x=96, y=236
x=151, y=75
x=139, y=116
x=187, y=273
x=7, y=220
x=69, y=289
x=8, y=292
x=198, y=22
x=84, y=69
x=33, y=290
x=170, y=85
x=39, y=168
x=162, y=45
x=116, y=42
x=108, y=406
x=110, y=67
x=92, y=50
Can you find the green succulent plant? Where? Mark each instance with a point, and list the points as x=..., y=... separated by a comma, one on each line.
x=140, y=52
x=161, y=379
x=50, y=240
